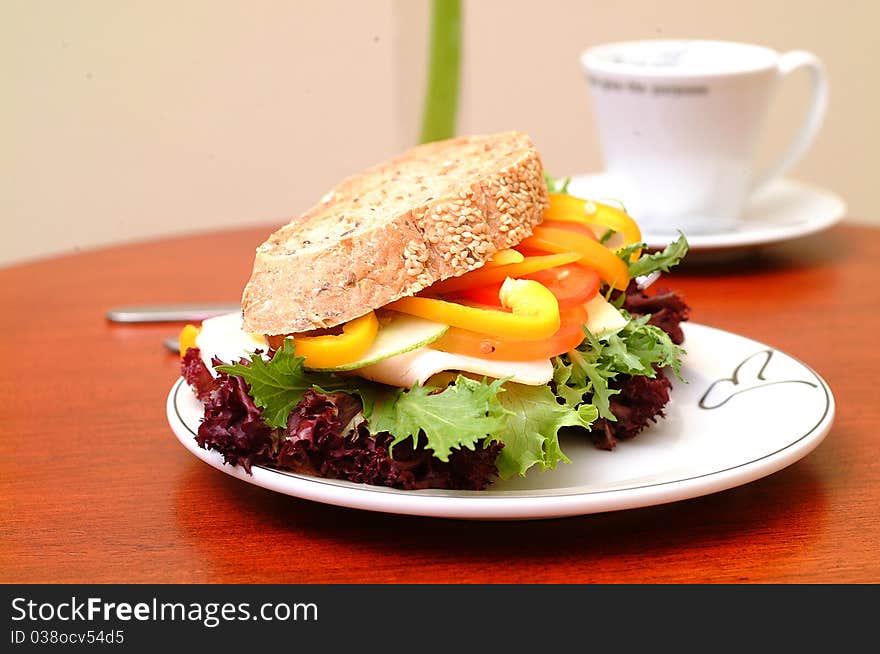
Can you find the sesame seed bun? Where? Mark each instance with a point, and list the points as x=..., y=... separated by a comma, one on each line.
x=436, y=211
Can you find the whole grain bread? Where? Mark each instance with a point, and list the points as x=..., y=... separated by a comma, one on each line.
x=436, y=211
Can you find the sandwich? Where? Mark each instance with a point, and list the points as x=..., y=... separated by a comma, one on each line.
x=440, y=320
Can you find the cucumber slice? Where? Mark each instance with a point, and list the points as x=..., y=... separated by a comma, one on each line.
x=398, y=333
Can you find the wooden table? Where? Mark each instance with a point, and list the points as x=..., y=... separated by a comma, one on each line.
x=95, y=487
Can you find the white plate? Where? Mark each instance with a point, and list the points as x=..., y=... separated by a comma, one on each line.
x=784, y=210
x=746, y=411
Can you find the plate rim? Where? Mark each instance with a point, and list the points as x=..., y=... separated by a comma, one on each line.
x=517, y=504
x=749, y=239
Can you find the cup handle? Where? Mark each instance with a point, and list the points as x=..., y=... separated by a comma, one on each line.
x=789, y=62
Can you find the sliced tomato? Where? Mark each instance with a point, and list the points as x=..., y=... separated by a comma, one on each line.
x=496, y=274
x=571, y=284
x=468, y=343
x=596, y=256
x=487, y=295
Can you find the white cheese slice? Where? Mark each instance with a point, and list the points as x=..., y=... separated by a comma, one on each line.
x=224, y=338
x=603, y=319
x=417, y=366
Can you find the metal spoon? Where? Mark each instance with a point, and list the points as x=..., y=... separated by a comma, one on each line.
x=169, y=312
x=172, y=344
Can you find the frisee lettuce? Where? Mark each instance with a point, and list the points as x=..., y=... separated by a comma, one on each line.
x=556, y=184
x=279, y=384
x=583, y=375
x=531, y=429
x=460, y=415
x=662, y=261
x=525, y=419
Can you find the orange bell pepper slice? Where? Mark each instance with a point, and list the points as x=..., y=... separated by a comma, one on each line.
x=568, y=208
x=533, y=315
x=610, y=267
x=569, y=336
x=485, y=276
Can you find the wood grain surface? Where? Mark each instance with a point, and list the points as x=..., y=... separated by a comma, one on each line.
x=96, y=488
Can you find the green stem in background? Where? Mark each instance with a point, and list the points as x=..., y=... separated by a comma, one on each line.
x=441, y=97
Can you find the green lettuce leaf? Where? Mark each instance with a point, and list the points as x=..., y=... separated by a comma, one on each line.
x=638, y=349
x=458, y=416
x=583, y=376
x=531, y=427
x=671, y=255
x=556, y=184
x=526, y=419
x=279, y=384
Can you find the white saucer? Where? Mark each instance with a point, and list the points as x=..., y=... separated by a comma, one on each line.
x=784, y=210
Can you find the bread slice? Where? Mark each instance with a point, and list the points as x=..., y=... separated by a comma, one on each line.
x=436, y=211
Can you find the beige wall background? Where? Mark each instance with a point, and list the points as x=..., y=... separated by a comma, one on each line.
x=130, y=120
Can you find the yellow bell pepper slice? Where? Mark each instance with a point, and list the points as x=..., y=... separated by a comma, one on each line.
x=485, y=276
x=329, y=350
x=610, y=267
x=187, y=338
x=504, y=257
x=568, y=208
x=534, y=312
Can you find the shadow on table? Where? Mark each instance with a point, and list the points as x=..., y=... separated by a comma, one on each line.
x=288, y=540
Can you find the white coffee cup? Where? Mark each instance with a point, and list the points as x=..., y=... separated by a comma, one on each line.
x=679, y=123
